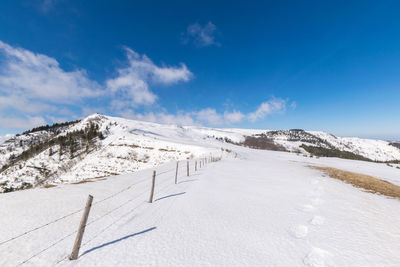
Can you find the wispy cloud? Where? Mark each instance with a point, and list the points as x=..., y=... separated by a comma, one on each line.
x=35, y=90
x=131, y=84
x=201, y=35
x=33, y=84
x=160, y=117
x=35, y=77
x=274, y=105
x=210, y=116
x=233, y=116
x=22, y=123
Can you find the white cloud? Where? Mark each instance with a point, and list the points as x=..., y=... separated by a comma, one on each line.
x=180, y=119
x=234, y=116
x=160, y=117
x=22, y=123
x=24, y=105
x=37, y=77
x=201, y=35
x=210, y=116
x=57, y=119
x=131, y=85
x=275, y=105
x=32, y=83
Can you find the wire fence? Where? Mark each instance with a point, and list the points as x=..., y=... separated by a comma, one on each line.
x=162, y=186
x=77, y=211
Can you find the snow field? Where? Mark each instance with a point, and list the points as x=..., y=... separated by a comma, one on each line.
x=110, y=206
x=263, y=208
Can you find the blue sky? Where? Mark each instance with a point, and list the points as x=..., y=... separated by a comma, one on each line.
x=317, y=65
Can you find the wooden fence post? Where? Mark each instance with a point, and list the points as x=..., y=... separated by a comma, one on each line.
x=176, y=173
x=78, y=240
x=187, y=168
x=152, y=187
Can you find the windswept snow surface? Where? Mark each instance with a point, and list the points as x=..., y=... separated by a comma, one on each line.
x=262, y=208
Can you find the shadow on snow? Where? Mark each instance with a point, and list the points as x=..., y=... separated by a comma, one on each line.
x=172, y=195
x=118, y=240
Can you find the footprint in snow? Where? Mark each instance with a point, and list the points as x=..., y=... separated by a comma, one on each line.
x=316, y=192
x=318, y=258
x=317, y=220
x=299, y=231
x=307, y=208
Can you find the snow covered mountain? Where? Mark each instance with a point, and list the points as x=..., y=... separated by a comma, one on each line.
x=5, y=138
x=100, y=146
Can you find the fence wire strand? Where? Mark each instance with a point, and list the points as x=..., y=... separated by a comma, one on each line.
x=70, y=214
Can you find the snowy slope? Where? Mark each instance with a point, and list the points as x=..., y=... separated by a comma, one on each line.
x=376, y=150
x=373, y=149
x=129, y=146
x=262, y=208
x=5, y=137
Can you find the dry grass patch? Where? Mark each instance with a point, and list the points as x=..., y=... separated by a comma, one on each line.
x=369, y=183
x=49, y=185
x=90, y=180
x=166, y=150
x=84, y=181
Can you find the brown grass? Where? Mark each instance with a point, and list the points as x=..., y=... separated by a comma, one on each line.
x=166, y=150
x=90, y=180
x=369, y=183
x=49, y=185
x=83, y=181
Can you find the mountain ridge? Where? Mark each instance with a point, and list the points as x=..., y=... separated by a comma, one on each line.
x=99, y=146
